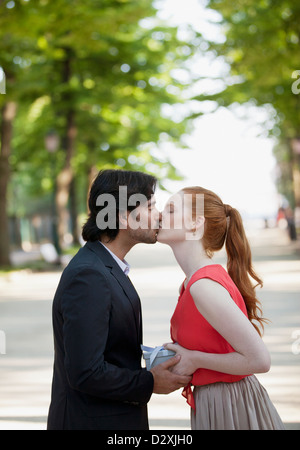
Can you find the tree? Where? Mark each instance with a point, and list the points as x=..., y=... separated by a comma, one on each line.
x=261, y=48
x=8, y=107
x=98, y=72
x=8, y=113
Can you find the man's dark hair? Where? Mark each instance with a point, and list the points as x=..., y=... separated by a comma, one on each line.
x=108, y=182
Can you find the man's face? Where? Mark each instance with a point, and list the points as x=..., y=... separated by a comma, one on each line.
x=143, y=222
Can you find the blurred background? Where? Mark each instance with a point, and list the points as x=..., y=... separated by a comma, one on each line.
x=200, y=92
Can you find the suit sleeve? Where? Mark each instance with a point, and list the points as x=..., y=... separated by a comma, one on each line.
x=85, y=331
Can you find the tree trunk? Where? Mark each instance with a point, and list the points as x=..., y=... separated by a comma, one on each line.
x=296, y=180
x=8, y=115
x=64, y=178
x=74, y=212
x=294, y=153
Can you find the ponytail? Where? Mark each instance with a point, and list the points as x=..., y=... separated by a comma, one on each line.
x=239, y=265
x=223, y=224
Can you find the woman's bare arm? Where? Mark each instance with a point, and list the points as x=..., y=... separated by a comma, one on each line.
x=217, y=307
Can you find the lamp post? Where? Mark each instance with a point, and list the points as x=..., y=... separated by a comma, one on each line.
x=51, y=144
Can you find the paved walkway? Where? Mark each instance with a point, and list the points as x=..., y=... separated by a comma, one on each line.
x=25, y=317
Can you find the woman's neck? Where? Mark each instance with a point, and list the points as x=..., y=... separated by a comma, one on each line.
x=191, y=256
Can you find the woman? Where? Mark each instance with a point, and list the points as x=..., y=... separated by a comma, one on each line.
x=216, y=324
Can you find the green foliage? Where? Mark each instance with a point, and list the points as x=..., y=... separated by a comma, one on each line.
x=261, y=48
x=110, y=62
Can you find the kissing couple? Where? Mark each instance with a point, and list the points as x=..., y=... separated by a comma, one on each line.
x=98, y=382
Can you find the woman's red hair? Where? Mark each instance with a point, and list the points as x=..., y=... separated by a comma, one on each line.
x=223, y=224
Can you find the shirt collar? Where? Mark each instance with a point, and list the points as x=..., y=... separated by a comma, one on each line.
x=123, y=264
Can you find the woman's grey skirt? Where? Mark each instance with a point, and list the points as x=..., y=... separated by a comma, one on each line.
x=243, y=405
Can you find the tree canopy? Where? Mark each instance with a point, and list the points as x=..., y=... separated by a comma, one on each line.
x=261, y=48
x=97, y=73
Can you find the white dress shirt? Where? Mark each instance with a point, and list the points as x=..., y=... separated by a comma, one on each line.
x=123, y=264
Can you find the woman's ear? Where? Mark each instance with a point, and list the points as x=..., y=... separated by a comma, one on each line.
x=199, y=223
x=197, y=229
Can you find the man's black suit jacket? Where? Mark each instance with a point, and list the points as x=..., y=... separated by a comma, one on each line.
x=98, y=382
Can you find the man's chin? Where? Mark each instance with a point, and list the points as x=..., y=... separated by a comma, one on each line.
x=150, y=238
x=159, y=237
x=155, y=238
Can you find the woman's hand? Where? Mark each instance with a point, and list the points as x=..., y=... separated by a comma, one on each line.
x=186, y=365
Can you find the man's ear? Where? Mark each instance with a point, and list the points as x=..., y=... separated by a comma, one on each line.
x=123, y=220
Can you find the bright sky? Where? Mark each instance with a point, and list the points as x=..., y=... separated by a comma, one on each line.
x=226, y=153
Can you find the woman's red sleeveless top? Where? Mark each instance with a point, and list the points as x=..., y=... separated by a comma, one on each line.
x=192, y=331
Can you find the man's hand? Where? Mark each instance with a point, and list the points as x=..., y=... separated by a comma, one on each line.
x=164, y=380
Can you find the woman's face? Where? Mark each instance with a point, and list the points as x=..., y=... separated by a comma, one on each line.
x=176, y=219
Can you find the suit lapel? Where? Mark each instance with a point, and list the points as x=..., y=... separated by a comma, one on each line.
x=139, y=321
x=131, y=294
x=123, y=281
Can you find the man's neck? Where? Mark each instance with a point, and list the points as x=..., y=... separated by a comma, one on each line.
x=118, y=246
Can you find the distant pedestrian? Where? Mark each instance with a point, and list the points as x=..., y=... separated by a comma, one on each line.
x=291, y=224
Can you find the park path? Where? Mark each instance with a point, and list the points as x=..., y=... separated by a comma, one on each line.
x=25, y=318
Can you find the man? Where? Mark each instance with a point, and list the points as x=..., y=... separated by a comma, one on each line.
x=98, y=382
